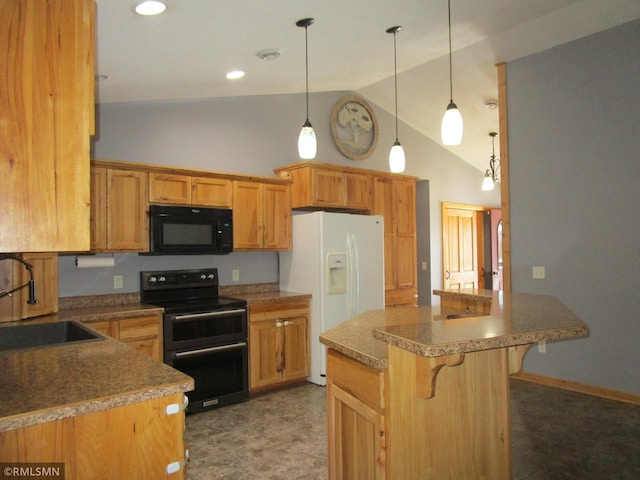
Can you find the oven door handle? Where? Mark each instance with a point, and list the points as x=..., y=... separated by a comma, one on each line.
x=204, y=316
x=221, y=348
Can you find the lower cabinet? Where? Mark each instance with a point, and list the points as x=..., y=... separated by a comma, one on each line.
x=278, y=344
x=139, y=441
x=144, y=333
x=356, y=427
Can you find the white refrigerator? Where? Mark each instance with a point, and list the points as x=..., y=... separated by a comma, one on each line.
x=339, y=259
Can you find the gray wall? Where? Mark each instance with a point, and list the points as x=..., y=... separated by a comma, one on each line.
x=574, y=134
x=254, y=135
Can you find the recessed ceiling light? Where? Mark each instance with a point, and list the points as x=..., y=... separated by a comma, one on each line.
x=150, y=7
x=235, y=74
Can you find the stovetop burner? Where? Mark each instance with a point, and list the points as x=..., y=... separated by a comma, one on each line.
x=185, y=291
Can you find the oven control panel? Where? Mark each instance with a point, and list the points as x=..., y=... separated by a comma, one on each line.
x=159, y=280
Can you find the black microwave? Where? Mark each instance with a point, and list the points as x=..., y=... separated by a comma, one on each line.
x=190, y=230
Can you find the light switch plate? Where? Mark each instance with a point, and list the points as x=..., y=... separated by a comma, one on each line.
x=117, y=281
x=235, y=275
x=538, y=273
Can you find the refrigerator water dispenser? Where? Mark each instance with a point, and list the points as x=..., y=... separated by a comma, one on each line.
x=337, y=273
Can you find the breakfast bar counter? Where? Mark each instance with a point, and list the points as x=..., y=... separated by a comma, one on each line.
x=432, y=385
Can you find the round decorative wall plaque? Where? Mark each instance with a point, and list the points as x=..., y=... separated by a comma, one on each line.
x=354, y=127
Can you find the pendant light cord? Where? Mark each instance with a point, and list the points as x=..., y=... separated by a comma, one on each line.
x=450, y=64
x=395, y=75
x=306, y=63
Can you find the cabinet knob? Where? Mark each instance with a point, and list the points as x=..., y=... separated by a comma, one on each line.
x=278, y=324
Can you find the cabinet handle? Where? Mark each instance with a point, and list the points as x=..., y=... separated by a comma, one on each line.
x=286, y=322
x=278, y=324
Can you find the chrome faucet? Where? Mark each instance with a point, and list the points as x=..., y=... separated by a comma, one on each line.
x=31, y=283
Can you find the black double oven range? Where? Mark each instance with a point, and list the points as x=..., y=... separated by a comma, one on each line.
x=205, y=334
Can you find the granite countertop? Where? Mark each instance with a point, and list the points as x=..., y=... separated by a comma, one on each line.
x=515, y=319
x=46, y=384
x=274, y=297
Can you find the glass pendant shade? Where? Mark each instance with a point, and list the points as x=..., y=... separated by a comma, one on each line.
x=487, y=183
x=307, y=143
x=396, y=158
x=452, y=127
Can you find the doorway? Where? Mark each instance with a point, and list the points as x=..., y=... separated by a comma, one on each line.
x=467, y=247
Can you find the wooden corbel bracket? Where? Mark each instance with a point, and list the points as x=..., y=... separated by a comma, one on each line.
x=427, y=369
x=516, y=357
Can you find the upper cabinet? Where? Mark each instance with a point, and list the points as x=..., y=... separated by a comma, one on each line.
x=178, y=189
x=322, y=185
x=261, y=215
x=119, y=219
x=46, y=119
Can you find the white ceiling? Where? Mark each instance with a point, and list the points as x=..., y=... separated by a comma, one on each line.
x=185, y=52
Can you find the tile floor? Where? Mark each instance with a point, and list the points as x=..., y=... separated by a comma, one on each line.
x=556, y=435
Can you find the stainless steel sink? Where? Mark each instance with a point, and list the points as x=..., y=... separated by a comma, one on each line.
x=23, y=337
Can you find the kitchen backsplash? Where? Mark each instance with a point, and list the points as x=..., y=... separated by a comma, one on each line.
x=253, y=267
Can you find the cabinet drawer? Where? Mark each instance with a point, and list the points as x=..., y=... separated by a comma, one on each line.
x=139, y=327
x=274, y=311
x=364, y=383
x=105, y=328
x=149, y=346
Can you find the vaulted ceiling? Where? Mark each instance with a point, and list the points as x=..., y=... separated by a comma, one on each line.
x=186, y=52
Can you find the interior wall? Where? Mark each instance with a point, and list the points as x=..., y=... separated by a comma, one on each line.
x=254, y=135
x=575, y=189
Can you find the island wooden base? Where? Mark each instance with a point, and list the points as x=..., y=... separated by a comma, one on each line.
x=421, y=418
x=132, y=441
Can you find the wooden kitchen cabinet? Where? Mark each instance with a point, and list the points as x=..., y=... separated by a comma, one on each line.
x=168, y=188
x=138, y=440
x=142, y=332
x=278, y=344
x=328, y=186
x=261, y=215
x=119, y=219
x=45, y=275
x=356, y=426
x=46, y=119
x=395, y=199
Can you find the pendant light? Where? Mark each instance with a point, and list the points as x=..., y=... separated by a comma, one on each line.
x=307, y=143
x=396, y=155
x=452, y=128
x=491, y=175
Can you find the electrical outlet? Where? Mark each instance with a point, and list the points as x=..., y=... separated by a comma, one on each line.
x=542, y=346
x=538, y=273
x=424, y=265
x=117, y=281
x=236, y=275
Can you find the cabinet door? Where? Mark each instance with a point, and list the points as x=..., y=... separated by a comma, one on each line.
x=247, y=215
x=127, y=219
x=265, y=353
x=132, y=441
x=98, y=210
x=356, y=437
x=211, y=192
x=296, y=348
x=45, y=274
x=358, y=191
x=404, y=200
x=383, y=205
x=143, y=334
x=168, y=188
x=46, y=94
x=327, y=188
x=276, y=200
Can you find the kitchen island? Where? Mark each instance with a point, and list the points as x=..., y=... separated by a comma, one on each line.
x=98, y=407
x=423, y=392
